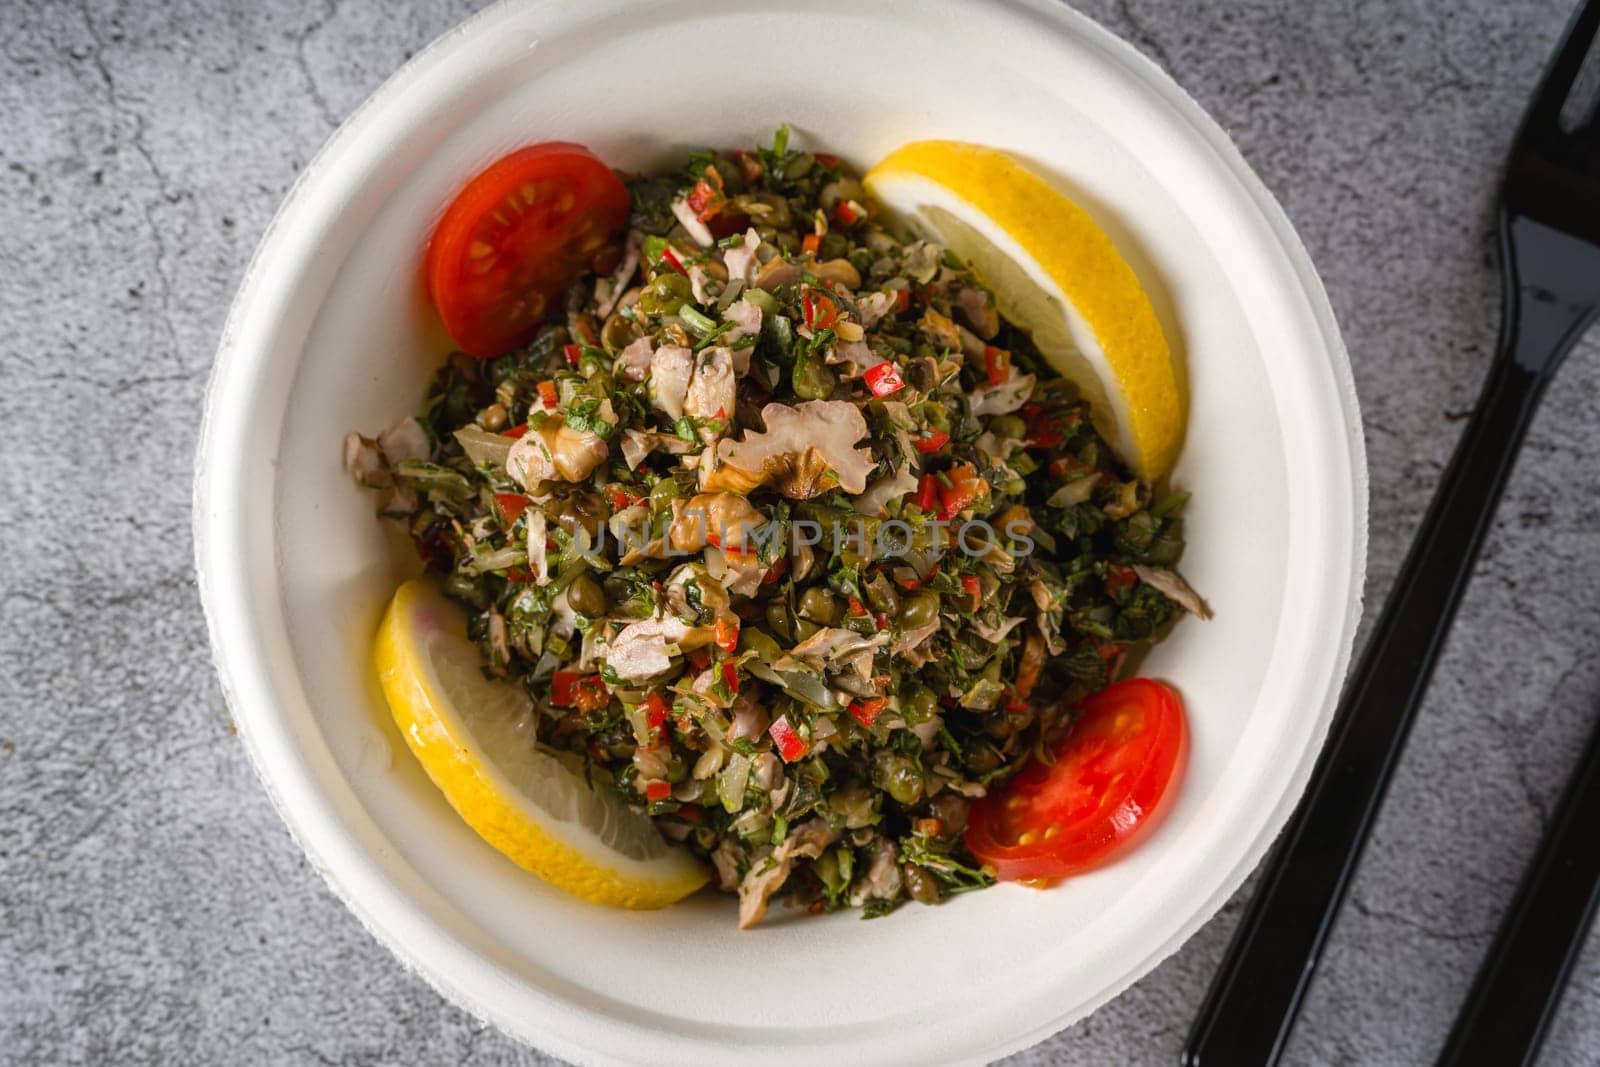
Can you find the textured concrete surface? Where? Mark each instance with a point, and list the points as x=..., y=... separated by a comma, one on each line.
x=155, y=910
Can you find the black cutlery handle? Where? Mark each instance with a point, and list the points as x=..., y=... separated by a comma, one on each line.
x=1254, y=998
x=1519, y=985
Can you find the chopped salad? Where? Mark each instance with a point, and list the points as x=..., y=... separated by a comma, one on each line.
x=790, y=537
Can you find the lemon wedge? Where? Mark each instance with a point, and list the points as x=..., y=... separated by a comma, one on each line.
x=1057, y=275
x=475, y=738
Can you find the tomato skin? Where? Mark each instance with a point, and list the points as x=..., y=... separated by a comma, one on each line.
x=515, y=237
x=1106, y=789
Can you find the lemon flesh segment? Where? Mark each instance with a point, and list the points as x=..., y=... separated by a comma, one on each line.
x=1055, y=274
x=475, y=738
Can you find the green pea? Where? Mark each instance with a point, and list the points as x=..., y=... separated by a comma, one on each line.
x=918, y=611
x=819, y=605
x=812, y=379
x=586, y=596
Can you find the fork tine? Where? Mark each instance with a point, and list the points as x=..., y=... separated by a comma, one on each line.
x=1563, y=71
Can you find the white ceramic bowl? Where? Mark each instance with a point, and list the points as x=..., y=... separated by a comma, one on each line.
x=330, y=332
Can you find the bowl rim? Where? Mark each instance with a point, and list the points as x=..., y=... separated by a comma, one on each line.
x=385, y=906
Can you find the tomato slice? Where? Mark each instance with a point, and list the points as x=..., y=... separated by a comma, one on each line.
x=515, y=238
x=1111, y=773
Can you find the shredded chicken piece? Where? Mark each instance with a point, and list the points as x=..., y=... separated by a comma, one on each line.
x=404, y=440
x=912, y=640
x=1028, y=666
x=692, y=224
x=940, y=331
x=635, y=360
x=671, y=368
x=977, y=307
x=882, y=492
x=723, y=519
x=1171, y=585
x=622, y=275
x=746, y=319
x=767, y=875
x=873, y=307
x=1004, y=398
x=554, y=450
x=741, y=258
x=640, y=649
x=364, y=459
x=711, y=389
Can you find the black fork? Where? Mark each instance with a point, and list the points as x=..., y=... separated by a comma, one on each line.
x=1550, y=292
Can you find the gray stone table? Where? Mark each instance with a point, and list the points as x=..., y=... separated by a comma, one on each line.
x=152, y=907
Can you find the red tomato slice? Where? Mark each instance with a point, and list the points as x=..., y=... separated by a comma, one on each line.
x=1111, y=773
x=515, y=238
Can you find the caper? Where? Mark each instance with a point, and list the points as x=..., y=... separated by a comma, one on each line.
x=812, y=379
x=921, y=884
x=899, y=778
x=1008, y=426
x=832, y=246
x=778, y=618
x=950, y=809
x=881, y=595
x=804, y=628
x=586, y=596
x=780, y=217
x=618, y=333
x=493, y=417
x=918, y=611
x=922, y=375
x=819, y=605
x=919, y=705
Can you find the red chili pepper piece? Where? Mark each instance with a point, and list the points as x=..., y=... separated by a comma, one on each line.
x=996, y=364
x=884, y=379
x=658, y=790
x=1119, y=579
x=730, y=677
x=866, y=711
x=790, y=745
x=518, y=431
x=935, y=440
x=656, y=710
x=512, y=505
x=965, y=487
x=573, y=353
x=727, y=634
x=673, y=261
